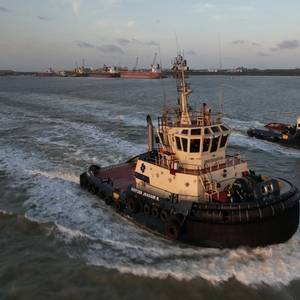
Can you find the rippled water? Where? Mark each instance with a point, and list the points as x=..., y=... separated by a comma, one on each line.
x=58, y=241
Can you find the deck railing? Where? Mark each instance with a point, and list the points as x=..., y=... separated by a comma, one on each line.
x=172, y=119
x=210, y=166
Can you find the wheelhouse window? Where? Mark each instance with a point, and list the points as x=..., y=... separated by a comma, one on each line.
x=224, y=128
x=206, y=144
x=185, y=131
x=161, y=136
x=184, y=142
x=215, y=129
x=195, y=145
x=196, y=131
x=178, y=144
x=207, y=131
x=214, y=144
x=223, y=140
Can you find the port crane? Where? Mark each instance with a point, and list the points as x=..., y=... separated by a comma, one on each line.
x=154, y=60
x=136, y=63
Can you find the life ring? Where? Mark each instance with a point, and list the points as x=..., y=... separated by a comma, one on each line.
x=133, y=205
x=172, y=230
x=147, y=209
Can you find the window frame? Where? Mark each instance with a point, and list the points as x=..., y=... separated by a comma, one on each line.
x=186, y=147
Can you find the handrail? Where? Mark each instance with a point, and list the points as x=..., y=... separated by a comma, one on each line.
x=197, y=118
x=229, y=161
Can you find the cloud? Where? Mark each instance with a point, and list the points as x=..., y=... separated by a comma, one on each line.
x=239, y=42
x=191, y=53
x=82, y=44
x=114, y=49
x=245, y=42
x=5, y=9
x=101, y=5
x=126, y=42
x=44, y=18
x=203, y=7
x=243, y=9
x=131, y=23
x=288, y=44
x=75, y=4
x=261, y=53
x=144, y=43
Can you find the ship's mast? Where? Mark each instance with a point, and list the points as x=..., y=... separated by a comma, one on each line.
x=183, y=89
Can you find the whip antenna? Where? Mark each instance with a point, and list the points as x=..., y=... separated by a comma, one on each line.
x=221, y=88
x=162, y=83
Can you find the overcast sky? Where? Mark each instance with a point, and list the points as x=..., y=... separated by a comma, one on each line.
x=37, y=34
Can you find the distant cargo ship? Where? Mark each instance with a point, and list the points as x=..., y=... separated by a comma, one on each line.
x=105, y=72
x=154, y=73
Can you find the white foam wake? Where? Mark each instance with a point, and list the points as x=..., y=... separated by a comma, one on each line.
x=112, y=242
x=242, y=140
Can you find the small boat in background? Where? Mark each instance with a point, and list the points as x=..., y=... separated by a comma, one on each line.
x=49, y=73
x=285, y=134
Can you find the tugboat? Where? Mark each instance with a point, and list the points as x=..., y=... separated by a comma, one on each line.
x=285, y=134
x=187, y=189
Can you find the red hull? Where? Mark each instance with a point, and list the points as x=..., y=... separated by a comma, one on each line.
x=104, y=75
x=141, y=74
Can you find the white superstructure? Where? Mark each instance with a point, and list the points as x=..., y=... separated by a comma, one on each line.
x=190, y=160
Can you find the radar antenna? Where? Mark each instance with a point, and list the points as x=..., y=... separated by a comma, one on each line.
x=179, y=68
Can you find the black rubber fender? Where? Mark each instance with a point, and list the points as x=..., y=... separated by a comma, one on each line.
x=164, y=215
x=147, y=209
x=173, y=230
x=94, y=169
x=83, y=181
x=133, y=205
x=93, y=189
x=108, y=200
x=155, y=211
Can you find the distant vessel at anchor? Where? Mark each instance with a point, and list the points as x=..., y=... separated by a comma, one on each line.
x=186, y=188
x=154, y=73
x=105, y=72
